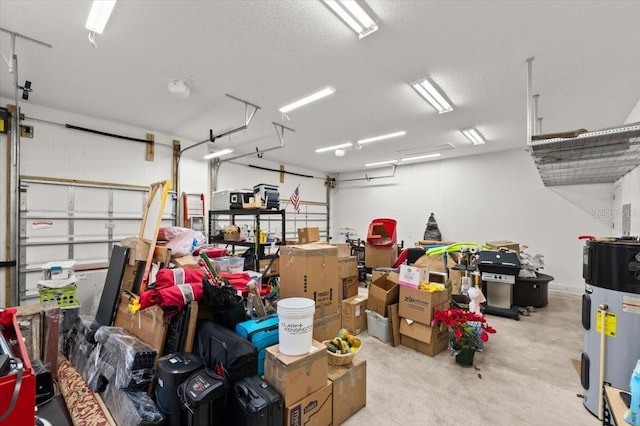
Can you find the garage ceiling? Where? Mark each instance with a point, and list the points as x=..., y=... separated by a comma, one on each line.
x=587, y=71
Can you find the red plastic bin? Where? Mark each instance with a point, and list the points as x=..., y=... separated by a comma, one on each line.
x=382, y=232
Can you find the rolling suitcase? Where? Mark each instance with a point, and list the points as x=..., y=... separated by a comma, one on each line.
x=262, y=332
x=255, y=403
x=225, y=352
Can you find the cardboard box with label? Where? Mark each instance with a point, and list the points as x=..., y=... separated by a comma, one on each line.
x=382, y=293
x=412, y=276
x=296, y=377
x=428, y=340
x=349, y=389
x=308, y=235
x=311, y=271
x=354, y=315
x=420, y=305
x=326, y=328
x=349, y=287
x=347, y=266
x=314, y=410
x=380, y=257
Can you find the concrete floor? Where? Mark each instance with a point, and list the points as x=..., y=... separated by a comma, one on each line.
x=525, y=377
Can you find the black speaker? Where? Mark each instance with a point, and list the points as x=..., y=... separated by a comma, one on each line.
x=172, y=370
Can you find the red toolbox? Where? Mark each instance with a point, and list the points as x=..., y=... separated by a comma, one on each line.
x=18, y=388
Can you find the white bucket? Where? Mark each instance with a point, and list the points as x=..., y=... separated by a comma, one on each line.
x=295, y=325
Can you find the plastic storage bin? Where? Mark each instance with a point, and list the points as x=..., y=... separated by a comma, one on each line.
x=382, y=232
x=378, y=326
x=236, y=264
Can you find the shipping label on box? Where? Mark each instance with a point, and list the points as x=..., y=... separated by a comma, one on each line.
x=412, y=276
x=419, y=305
x=349, y=287
x=296, y=376
x=382, y=293
x=349, y=389
x=327, y=328
x=354, y=315
x=347, y=266
x=422, y=338
x=314, y=410
x=311, y=271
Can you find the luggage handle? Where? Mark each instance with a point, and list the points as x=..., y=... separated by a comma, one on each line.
x=254, y=332
x=246, y=391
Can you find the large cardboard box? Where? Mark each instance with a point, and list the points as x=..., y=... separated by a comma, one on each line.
x=435, y=263
x=314, y=410
x=344, y=249
x=311, y=271
x=419, y=305
x=347, y=266
x=308, y=235
x=412, y=276
x=349, y=389
x=296, y=377
x=349, y=287
x=495, y=245
x=326, y=328
x=354, y=315
x=382, y=293
x=380, y=257
x=428, y=340
x=384, y=272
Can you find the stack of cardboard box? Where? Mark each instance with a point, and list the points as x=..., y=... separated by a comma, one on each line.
x=311, y=271
x=383, y=296
x=416, y=311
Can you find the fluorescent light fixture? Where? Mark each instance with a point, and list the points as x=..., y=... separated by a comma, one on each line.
x=331, y=148
x=99, y=15
x=474, y=136
x=353, y=15
x=307, y=100
x=428, y=91
x=382, y=137
x=421, y=157
x=381, y=163
x=217, y=154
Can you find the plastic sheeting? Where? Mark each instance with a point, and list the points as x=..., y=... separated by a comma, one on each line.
x=130, y=408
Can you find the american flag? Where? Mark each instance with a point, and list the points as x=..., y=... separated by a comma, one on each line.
x=295, y=199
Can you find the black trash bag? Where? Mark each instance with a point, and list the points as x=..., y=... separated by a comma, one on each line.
x=432, y=232
x=249, y=260
x=227, y=306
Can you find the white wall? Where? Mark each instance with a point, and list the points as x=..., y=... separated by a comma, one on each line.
x=486, y=197
x=628, y=189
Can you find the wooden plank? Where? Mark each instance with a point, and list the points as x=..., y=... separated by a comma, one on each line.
x=150, y=146
x=149, y=325
x=30, y=322
x=176, y=155
x=281, y=173
x=191, y=327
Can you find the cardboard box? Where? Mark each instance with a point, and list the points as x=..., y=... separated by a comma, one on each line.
x=326, y=328
x=419, y=305
x=264, y=263
x=347, y=266
x=495, y=245
x=232, y=236
x=296, y=377
x=382, y=293
x=308, y=235
x=428, y=340
x=412, y=276
x=349, y=389
x=349, y=287
x=344, y=249
x=435, y=263
x=380, y=257
x=384, y=272
x=314, y=410
x=354, y=315
x=311, y=271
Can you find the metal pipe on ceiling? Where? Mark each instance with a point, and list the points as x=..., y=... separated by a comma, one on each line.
x=370, y=178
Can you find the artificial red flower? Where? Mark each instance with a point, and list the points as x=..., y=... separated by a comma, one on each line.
x=457, y=333
x=484, y=337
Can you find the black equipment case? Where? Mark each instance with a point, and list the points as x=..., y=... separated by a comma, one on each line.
x=255, y=403
x=204, y=396
x=225, y=352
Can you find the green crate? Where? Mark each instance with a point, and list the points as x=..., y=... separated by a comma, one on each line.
x=65, y=297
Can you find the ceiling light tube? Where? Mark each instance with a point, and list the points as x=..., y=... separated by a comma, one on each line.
x=429, y=92
x=474, y=136
x=99, y=15
x=382, y=137
x=307, y=100
x=421, y=157
x=381, y=163
x=217, y=154
x=353, y=15
x=331, y=148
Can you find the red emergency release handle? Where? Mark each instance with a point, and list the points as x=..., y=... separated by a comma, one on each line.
x=586, y=237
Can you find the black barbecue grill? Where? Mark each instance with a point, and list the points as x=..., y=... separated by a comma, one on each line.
x=499, y=271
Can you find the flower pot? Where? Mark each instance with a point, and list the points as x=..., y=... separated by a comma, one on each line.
x=464, y=357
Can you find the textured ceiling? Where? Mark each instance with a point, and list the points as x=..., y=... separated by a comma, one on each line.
x=587, y=70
